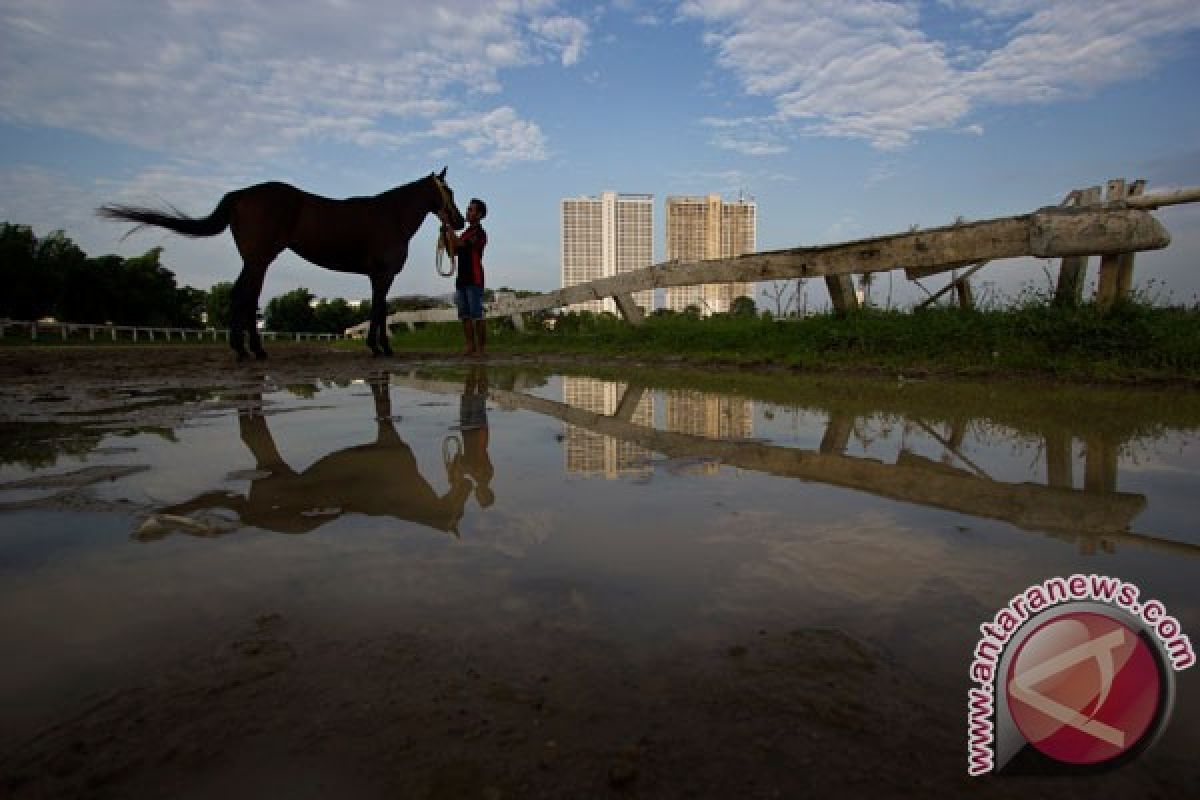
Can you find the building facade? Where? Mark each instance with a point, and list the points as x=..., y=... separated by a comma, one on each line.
x=605, y=236
x=594, y=454
x=700, y=228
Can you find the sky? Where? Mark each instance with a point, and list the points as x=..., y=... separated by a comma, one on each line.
x=841, y=119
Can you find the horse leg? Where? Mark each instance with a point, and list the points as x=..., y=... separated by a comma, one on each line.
x=378, y=337
x=260, y=236
x=237, y=319
x=246, y=290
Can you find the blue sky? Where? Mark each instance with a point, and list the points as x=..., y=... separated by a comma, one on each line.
x=842, y=119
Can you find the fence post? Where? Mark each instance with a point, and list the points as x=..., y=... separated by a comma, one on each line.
x=1072, y=271
x=841, y=292
x=966, y=298
x=1125, y=260
x=1058, y=460
x=1110, y=265
x=629, y=309
x=1100, y=465
x=838, y=428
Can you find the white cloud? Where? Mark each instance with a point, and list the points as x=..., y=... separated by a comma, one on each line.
x=245, y=81
x=495, y=139
x=866, y=69
x=566, y=34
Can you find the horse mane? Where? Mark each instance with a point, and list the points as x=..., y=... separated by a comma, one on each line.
x=406, y=187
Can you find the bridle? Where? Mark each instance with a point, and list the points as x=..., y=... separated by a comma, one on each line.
x=445, y=194
x=442, y=249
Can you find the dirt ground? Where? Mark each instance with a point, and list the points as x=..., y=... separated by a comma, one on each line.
x=270, y=710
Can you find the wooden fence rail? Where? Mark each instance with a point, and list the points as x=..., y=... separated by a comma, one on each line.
x=1117, y=228
x=36, y=329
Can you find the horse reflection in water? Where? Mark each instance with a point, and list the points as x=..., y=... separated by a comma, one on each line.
x=380, y=479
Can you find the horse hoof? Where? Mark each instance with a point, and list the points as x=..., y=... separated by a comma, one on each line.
x=243, y=357
x=261, y=355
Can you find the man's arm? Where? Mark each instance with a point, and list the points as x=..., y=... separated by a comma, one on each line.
x=452, y=240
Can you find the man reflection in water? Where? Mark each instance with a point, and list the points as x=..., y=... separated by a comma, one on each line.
x=473, y=459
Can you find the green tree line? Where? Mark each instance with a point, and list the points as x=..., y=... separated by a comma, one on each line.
x=52, y=277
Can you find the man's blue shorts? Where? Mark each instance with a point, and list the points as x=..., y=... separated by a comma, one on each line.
x=469, y=300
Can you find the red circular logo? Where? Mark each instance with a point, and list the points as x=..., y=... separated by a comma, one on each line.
x=1083, y=688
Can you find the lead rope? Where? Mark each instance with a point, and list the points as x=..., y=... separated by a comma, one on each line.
x=440, y=252
x=441, y=255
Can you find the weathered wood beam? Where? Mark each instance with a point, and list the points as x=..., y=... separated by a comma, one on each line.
x=1048, y=233
x=1172, y=197
x=933, y=298
x=841, y=293
x=629, y=309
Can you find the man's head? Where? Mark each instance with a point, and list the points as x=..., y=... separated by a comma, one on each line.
x=476, y=210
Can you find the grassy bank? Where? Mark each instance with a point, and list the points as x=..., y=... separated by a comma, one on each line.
x=1134, y=344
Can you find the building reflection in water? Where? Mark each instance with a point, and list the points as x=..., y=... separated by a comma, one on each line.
x=685, y=411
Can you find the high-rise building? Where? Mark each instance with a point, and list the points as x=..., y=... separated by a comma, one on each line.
x=605, y=236
x=700, y=228
x=595, y=454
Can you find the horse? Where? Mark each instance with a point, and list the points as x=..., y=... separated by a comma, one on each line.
x=362, y=235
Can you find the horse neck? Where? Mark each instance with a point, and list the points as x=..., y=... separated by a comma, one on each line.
x=409, y=205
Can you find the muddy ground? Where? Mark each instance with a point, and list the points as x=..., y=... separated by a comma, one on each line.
x=278, y=708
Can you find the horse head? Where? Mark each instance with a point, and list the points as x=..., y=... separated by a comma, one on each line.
x=443, y=201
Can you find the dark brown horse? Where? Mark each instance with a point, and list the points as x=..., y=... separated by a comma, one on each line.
x=364, y=235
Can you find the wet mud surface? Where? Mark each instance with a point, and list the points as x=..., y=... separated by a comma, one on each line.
x=270, y=702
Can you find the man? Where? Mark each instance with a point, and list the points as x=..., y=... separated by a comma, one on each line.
x=468, y=284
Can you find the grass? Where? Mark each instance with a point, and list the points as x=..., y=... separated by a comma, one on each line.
x=1134, y=343
x=1139, y=342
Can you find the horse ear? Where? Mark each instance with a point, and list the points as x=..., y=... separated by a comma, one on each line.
x=442, y=174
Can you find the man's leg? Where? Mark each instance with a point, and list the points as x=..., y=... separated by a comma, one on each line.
x=480, y=335
x=462, y=302
x=469, y=335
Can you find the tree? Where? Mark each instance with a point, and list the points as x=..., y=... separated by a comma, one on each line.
x=334, y=316
x=32, y=270
x=743, y=307
x=291, y=312
x=218, y=304
x=779, y=293
x=145, y=292
x=190, y=304
x=90, y=289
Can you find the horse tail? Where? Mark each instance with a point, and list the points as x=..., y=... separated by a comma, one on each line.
x=175, y=220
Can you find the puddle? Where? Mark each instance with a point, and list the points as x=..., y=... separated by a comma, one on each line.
x=581, y=536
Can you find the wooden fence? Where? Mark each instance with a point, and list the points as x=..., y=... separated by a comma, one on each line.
x=37, y=329
x=1082, y=226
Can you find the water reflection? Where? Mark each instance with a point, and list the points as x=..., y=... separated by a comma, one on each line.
x=593, y=454
x=380, y=479
x=611, y=430
x=934, y=446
